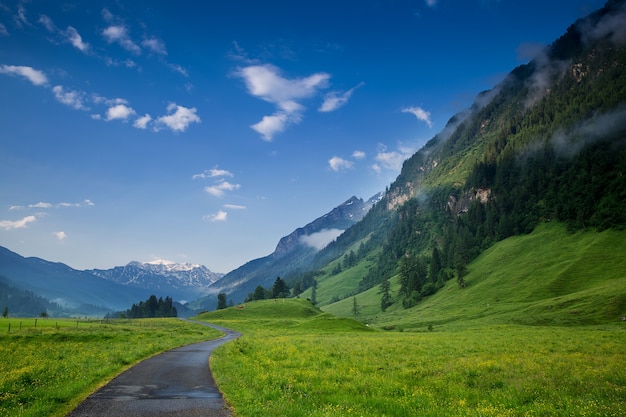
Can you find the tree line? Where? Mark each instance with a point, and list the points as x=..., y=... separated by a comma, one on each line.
x=151, y=308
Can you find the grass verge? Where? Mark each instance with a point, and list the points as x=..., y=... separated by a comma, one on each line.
x=47, y=370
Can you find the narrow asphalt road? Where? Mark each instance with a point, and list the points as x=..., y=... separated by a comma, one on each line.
x=174, y=383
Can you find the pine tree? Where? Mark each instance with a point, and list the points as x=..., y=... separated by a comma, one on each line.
x=385, y=300
x=221, y=301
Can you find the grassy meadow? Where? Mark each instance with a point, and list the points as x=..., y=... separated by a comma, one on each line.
x=296, y=361
x=48, y=369
x=536, y=332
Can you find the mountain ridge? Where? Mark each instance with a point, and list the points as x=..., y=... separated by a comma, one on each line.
x=293, y=252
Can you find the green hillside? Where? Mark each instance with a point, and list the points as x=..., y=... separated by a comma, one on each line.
x=549, y=277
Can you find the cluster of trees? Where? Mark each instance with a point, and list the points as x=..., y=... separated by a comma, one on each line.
x=280, y=289
x=152, y=307
x=23, y=303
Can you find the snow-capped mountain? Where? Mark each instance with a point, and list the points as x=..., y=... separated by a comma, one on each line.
x=182, y=281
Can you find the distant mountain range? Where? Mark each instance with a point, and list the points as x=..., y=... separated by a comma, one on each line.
x=183, y=282
x=97, y=292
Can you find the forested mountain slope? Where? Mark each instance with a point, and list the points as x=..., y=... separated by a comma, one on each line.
x=546, y=144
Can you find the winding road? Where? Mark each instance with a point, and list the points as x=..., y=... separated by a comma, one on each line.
x=174, y=383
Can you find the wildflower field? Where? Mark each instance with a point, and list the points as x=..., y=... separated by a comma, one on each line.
x=293, y=361
x=48, y=366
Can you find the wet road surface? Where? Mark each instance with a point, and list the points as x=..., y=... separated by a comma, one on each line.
x=174, y=383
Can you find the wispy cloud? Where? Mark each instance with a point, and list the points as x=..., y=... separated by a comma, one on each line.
x=220, y=216
x=73, y=99
x=143, y=121
x=420, y=113
x=119, y=34
x=392, y=160
x=336, y=99
x=20, y=18
x=219, y=189
x=234, y=207
x=47, y=205
x=358, y=155
x=611, y=26
x=36, y=77
x=431, y=3
x=61, y=236
x=267, y=83
x=3, y=30
x=17, y=224
x=321, y=239
x=212, y=173
x=154, y=45
x=69, y=35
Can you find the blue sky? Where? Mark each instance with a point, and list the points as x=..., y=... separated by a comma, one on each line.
x=203, y=132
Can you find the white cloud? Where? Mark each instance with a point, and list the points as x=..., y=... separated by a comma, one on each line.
x=180, y=119
x=267, y=83
x=120, y=111
x=420, y=113
x=220, y=188
x=34, y=76
x=358, y=155
x=155, y=45
x=337, y=163
x=431, y=3
x=45, y=205
x=98, y=99
x=220, y=216
x=234, y=207
x=180, y=70
x=142, y=122
x=74, y=99
x=47, y=23
x=321, y=239
x=271, y=125
x=69, y=35
x=75, y=39
x=17, y=224
x=392, y=160
x=335, y=99
x=41, y=204
x=212, y=173
x=119, y=34
x=3, y=30
x=60, y=236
